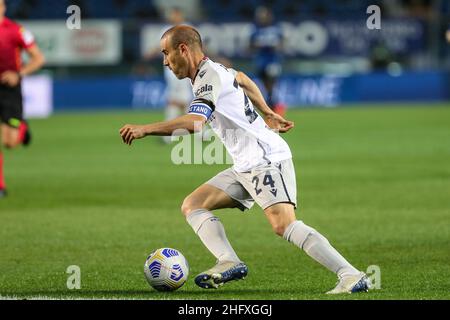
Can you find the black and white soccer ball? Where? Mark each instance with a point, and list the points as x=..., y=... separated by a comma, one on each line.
x=166, y=269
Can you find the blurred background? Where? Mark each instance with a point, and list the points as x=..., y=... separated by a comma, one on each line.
x=328, y=56
x=371, y=146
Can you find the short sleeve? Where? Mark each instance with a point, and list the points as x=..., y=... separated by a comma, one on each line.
x=207, y=89
x=26, y=38
x=233, y=72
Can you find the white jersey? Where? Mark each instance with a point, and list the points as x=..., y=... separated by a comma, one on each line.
x=230, y=113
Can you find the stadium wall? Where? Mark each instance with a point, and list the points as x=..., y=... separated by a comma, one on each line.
x=294, y=90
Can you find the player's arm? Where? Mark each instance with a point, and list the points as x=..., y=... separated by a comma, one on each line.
x=253, y=93
x=250, y=88
x=37, y=60
x=185, y=124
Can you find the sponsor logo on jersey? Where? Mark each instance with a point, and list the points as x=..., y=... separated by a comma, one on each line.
x=201, y=74
x=205, y=88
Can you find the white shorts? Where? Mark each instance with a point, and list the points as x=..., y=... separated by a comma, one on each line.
x=266, y=185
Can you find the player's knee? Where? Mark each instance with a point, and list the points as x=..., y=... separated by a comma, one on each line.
x=279, y=228
x=8, y=144
x=280, y=223
x=185, y=208
x=188, y=205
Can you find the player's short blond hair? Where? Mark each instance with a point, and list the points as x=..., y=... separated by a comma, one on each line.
x=184, y=34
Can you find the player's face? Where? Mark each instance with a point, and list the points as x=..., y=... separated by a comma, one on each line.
x=174, y=59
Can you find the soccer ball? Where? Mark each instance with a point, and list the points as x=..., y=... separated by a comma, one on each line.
x=166, y=269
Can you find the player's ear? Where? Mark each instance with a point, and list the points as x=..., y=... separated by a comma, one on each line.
x=183, y=48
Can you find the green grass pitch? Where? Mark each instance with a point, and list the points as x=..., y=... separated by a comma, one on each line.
x=375, y=180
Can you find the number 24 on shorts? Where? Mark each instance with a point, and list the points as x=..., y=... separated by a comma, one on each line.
x=267, y=181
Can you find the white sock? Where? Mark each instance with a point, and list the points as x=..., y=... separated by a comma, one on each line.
x=318, y=248
x=210, y=230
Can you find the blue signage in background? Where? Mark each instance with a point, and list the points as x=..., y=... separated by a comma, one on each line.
x=329, y=91
x=350, y=38
x=295, y=91
x=314, y=90
x=148, y=93
x=107, y=93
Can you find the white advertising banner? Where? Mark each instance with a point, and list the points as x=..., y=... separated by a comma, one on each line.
x=37, y=92
x=97, y=42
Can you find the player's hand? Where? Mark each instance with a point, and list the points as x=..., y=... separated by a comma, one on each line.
x=10, y=78
x=277, y=122
x=130, y=132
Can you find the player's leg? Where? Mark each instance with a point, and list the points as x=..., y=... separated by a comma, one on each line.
x=10, y=138
x=2, y=119
x=282, y=218
x=15, y=133
x=208, y=197
x=220, y=192
x=15, y=130
x=10, y=135
x=274, y=189
x=2, y=178
x=198, y=207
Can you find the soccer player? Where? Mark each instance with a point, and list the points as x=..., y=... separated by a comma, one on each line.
x=263, y=170
x=178, y=92
x=266, y=42
x=14, y=39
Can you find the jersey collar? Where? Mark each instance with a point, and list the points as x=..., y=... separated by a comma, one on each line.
x=200, y=65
